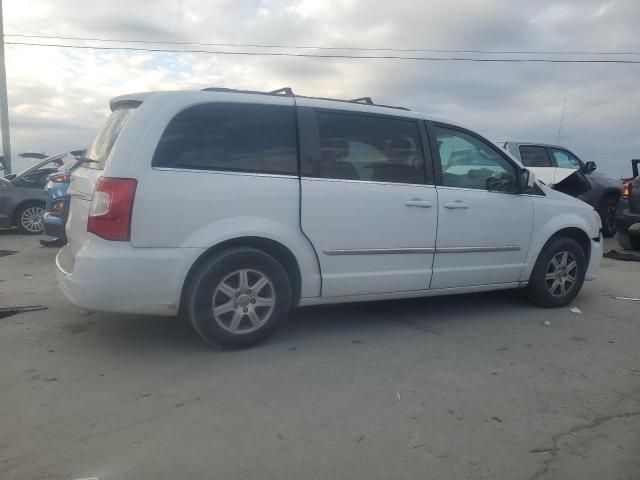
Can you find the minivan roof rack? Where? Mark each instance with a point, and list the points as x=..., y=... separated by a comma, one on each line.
x=281, y=91
x=365, y=100
x=288, y=92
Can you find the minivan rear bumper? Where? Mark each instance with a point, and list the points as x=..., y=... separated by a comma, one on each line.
x=116, y=277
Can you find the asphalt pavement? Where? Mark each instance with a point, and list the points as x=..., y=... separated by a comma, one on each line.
x=461, y=387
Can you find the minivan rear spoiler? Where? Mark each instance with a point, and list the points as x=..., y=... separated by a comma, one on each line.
x=131, y=100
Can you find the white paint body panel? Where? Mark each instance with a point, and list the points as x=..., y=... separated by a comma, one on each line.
x=179, y=214
x=213, y=207
x=490, y=219
x=353, y=215
x=556, y=211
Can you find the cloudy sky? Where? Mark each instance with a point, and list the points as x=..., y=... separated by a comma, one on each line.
x=58, y=97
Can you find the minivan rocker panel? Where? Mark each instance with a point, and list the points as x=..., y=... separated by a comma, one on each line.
x=232, y=207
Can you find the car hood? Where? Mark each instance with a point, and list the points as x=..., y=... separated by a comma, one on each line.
x=38, y=165
x=605, y=181
x=553, y=193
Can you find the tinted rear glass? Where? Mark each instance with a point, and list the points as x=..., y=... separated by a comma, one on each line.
x=364, y=147
x=534, y=156
x=231, y=136
x=102, y=144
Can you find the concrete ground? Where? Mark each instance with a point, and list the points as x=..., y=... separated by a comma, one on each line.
x=464, y=387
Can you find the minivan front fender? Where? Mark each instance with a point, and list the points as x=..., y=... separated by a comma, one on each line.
x=551, y=226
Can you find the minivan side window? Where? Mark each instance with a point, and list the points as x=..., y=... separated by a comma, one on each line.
x=370, y=148
x=532, y=156
x=231, y=136
x=565, y=159
x=468, y=162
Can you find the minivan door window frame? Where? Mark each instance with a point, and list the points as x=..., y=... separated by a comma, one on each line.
x=437, y=161
x=309, y=142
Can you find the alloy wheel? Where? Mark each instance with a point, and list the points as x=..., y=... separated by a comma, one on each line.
x=31, y=219
x=243, y=301
x=561, y=274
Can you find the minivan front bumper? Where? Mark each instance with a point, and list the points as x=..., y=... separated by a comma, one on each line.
x=116, y=277
x=595, y=258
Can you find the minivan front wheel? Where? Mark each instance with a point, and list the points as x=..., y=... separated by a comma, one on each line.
x=238, y=297
x=558, y=274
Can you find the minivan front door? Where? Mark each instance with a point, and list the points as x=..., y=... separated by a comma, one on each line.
x=484, y=226
x=366, y=206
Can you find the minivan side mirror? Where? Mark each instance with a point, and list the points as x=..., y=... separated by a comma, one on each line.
x=589, y=167
x=526, y=180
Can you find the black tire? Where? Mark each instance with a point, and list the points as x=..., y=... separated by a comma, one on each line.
x=539, y=288
x=214, y=274
x=25, y=226
x=628, y=242
x=607, y=213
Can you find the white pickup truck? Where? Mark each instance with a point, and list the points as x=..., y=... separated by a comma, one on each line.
x=560, y=169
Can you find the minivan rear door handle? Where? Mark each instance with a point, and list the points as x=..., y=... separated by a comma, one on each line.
x=456, y=204
x=418, y=202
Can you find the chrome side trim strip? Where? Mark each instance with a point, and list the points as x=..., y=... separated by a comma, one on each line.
x=413, y=250
x=226, y=172
x=502, y=248
x=371, y=182
x=379, y=251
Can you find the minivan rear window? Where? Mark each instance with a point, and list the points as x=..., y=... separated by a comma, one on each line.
x=97, y=154
x=231, y=136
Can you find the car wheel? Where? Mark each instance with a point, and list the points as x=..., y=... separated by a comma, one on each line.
x=28, y=218
x=558, y=274
x=628, y=242
x=238, y=297
x=608, y=213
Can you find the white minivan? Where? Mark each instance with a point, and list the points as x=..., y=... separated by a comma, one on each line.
x=232, y=207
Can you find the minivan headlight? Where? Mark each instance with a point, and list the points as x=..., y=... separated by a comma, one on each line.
x=598, y=219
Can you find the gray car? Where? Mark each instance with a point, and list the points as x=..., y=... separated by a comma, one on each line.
x=23, y=198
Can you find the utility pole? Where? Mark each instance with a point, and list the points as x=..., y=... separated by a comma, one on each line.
x=4, y=102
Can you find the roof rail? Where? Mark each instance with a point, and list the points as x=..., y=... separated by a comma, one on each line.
x=365, y=100
x=283, y=91
x=288, y=92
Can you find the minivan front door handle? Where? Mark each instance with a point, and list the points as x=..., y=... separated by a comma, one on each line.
x=456, y=204
x=418, y=202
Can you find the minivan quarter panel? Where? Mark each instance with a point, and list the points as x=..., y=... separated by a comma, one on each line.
x=207, y=208
x=202, y=208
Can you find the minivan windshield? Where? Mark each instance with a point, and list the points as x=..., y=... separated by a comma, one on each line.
x=100, y=148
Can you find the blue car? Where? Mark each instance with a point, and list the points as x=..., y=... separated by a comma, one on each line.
x=57, y=206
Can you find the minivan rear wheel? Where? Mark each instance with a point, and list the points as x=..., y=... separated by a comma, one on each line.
x=238, y=297
x=558, y=274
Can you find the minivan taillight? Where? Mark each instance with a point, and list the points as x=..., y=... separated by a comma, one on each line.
x=626, y=191
x=111, y=208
